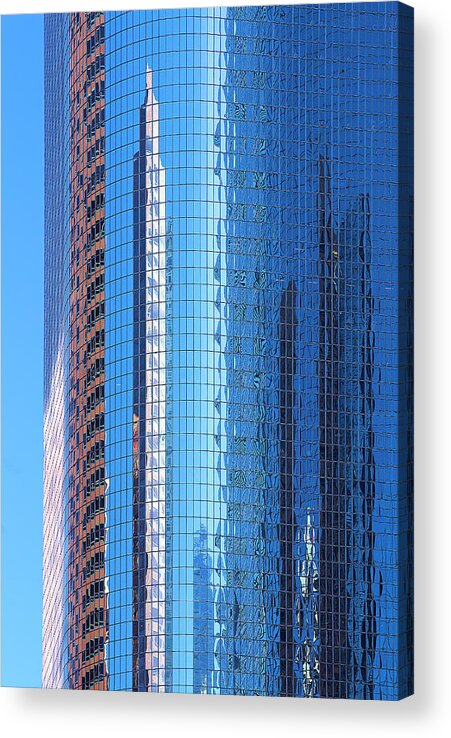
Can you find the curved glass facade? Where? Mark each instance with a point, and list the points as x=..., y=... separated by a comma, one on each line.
x=56, y=116
x=233, y=292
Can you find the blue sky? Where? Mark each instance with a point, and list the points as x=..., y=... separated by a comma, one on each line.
x=22, y=347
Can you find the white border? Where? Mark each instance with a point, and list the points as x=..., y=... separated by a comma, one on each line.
x=36, y=712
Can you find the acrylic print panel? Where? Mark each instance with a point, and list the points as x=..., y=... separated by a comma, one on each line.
x=228, y=351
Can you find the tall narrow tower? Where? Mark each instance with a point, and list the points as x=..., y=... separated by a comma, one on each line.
x=87, y=613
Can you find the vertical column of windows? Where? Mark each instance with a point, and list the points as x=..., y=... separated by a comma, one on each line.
x=87, y=607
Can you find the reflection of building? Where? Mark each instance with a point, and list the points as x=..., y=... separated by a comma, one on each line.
x=203, y=607
x=347, y=573
x=83, y=493
x=55, y=419
x=149, y=461
x=87, y=613
x=228, y=409
x=287, y=503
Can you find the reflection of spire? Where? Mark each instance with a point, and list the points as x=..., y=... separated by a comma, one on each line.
x=149, y=404
x=150, y=108
x=307, y=610
x=148, y=80
x=203, y=611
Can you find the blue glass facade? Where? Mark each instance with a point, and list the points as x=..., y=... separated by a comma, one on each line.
x=56, y=177
x=257, y=349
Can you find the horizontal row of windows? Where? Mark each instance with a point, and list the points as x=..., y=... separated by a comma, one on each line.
x=78, y=19
x=96, y=232
x=93, y=647
x=96, y=314
x=91, y=17
x=96, y=397
x=95, y=287
x=93, y=592
x=97, y=93
x=97, y=149
x=95, y=370
x=94, y=507
x=95, y=535
x=96, y=178
x=93, y=676
x=95, y=563
x=95, y=39
x=98, y=121
x=96, y=453
x=97, y=341
x=96, y=67
x=97, y=203
x=95, y=619
x=96, y=479
x=93, y=426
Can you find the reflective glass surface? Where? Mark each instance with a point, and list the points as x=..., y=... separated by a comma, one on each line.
x=229, y=240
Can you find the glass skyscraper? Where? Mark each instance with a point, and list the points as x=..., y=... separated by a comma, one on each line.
x=228, y=351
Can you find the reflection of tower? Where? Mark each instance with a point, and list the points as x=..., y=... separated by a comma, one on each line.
x=203, y=610
x=87, y=611
x=346, y=570
x=149, y=425
x=332, y=550
x=287, y=524
x=248, y=605
x=357, y=468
